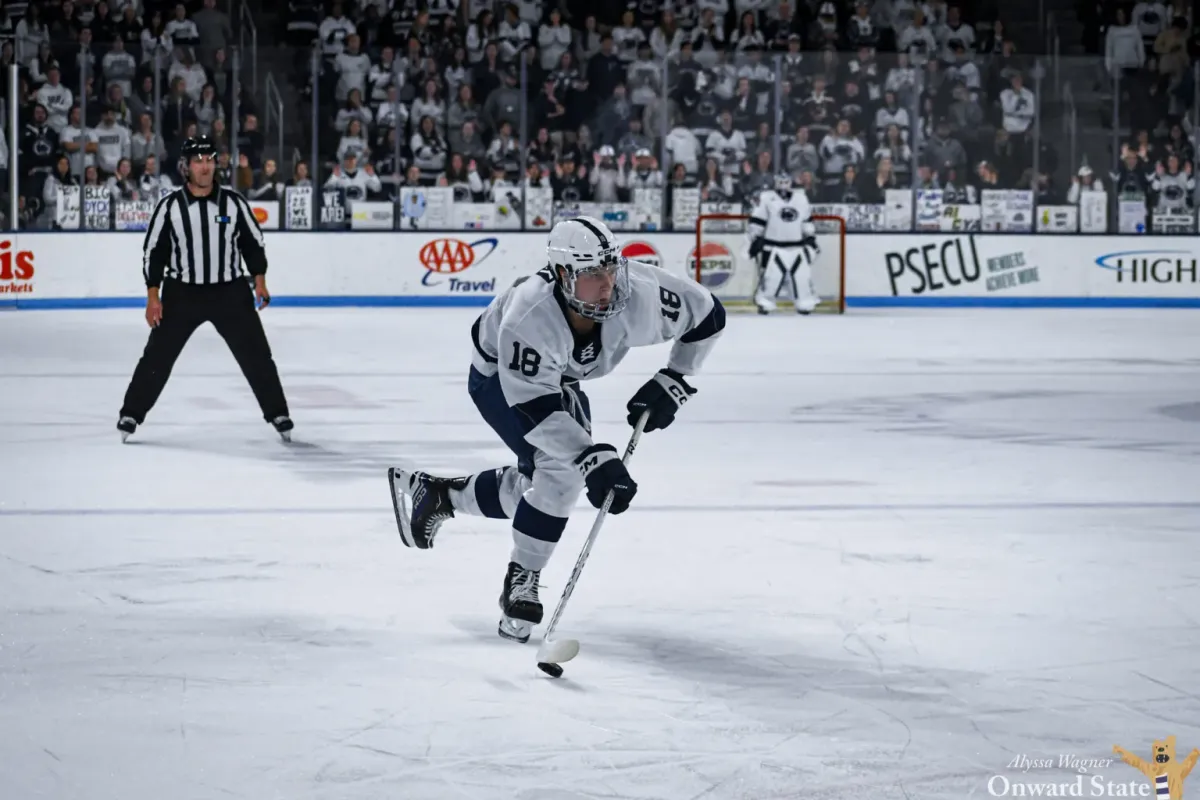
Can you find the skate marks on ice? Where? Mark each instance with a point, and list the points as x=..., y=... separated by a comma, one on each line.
x=946, y=415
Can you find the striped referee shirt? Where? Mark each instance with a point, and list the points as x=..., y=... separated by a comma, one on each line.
x=203, y=239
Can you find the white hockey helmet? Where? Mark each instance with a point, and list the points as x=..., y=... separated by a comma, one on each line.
x=783, y=182
x=582, y=246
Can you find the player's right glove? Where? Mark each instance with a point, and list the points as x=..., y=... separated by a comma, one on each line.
x=603, y=472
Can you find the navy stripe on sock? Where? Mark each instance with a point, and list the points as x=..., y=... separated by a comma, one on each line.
x=487, y=494
x=538, y=524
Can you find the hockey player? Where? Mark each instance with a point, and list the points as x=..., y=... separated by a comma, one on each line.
x=781, y=235
x=574, y=320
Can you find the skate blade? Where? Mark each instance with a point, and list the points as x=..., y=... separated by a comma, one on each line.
x=286, y=436
x=396, y=479
x=517, y=630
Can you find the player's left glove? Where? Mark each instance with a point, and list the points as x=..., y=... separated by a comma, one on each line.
x=661, y=397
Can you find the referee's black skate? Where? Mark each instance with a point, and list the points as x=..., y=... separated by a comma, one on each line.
x=283, y=426
x=422, y=504
x=127, y=426
x=519, y=602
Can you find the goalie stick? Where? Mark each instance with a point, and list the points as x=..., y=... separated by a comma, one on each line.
x=552, y=654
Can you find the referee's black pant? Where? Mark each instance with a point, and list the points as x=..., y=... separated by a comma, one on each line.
x=185, y=307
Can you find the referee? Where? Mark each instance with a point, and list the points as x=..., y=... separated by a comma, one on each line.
x=198, y=236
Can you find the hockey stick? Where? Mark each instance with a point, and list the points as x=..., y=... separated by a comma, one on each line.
x=552, y=653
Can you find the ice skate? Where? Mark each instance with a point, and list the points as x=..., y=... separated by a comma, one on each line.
x=519, y=603
x=283, y=426
x=422, y=504
x=126, y=425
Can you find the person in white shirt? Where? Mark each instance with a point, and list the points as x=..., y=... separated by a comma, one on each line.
x=112, y=142
x=683, y=147
x=76, y=144
x=355, y=182
x=1084, y=181
x=181, y=31
x=554, y=39
x=667, y=37
x=727, y=145
x=56, y=98
x=513, y=33
x=352, y=66
x=917, y=41
x=193, y=75
x=626, y=38
x=334, y=31
x=1019, y=106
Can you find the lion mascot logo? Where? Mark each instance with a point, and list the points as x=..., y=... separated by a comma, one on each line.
x=1164, y=770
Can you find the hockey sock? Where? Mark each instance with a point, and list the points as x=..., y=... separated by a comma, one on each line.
x=493, y=493
x=535, y=534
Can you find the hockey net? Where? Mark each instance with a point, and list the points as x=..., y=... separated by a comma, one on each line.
x=721, y=263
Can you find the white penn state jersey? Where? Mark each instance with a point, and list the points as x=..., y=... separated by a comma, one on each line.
x=525, y=336
x=779, y=222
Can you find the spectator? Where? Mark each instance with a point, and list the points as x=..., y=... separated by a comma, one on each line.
x=1173, y=186
x=178, y=111
x=644, y=173
x=392, y=113
x=708, y=38
x=607, y=176
x=40, y=64
x=56, y=98
x=943, y=149
x=352, y=66
x=334, y=30
x=589, y=42
x=917, y=40
x=39, y=144
x=467, y=141
x=683, y=147
x=549, y=111
x=801, y=154
x=61, y=178
x=1084, y=181
x=838, y=149
x=463, y=180
x=488, y=72
x=145, y=143
x=213, y=31
x=208, y=110
x=458, y=72
x=747, y=34
x=112, y=141
x=604, y=70
x=504, y=104
x=75, y=143
x=954, y=33
x=221, y=77
x=121, y=184
x=191, y=73
x=875, y=187
x=626, y=38
x=666, y=37
x=1019, y=106
x=430, y=105
x=480, y=34
x=895, y=148
x=1171, y=49
x=504, y=152
x=243, y=176
x=644, y=79
x=354, y=109
x=354, y=140
x=250, y=140
x=846, y=190
x=31, y=33
x=613, y=120
x=181, y=32
x=1123, y=47
x=635, y=140
x=156, y=46
x=428, y=149
x=119, y=67
x=716, y=186
x=382, y=77
x=300, y=175
x=891, y=114
x=268, y=184
x=129, y=28
x=355, y=182
x=861, y=30
x=727, y=144
x=513, y=35
x=570, y=183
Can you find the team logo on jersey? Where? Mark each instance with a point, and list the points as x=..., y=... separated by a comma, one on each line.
x=788, y=214
x=450, y=256
x=588, y=353
x=714, y=263
x=643, y=252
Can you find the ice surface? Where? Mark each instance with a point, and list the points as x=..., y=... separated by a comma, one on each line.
x=878, y=556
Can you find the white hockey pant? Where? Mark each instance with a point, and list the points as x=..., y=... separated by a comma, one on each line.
x=789, y=267
x=539, y=493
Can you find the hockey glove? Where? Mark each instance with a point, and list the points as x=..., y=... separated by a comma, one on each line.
x=603, y=472
x=661, y=396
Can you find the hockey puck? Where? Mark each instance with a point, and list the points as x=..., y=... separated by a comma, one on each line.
x=553, y=670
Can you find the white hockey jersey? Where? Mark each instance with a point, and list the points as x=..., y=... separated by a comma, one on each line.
x=779, y=222
x=525, y=336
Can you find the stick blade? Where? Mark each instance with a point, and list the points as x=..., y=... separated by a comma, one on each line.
x=558, y=651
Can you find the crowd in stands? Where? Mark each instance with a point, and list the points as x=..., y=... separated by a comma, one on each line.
x=850, y=97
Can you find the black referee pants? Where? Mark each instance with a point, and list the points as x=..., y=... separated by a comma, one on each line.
x=230, y=308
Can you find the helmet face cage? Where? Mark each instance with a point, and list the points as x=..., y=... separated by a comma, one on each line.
x=610, y=262
x=783, y=182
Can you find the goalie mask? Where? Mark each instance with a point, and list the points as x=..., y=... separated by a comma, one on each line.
x=783, y=185
x=591, y=272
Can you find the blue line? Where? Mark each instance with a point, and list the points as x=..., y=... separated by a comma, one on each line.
x=1023, y=302
x=299, y=301
x=382, y=510
x=476, y=300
